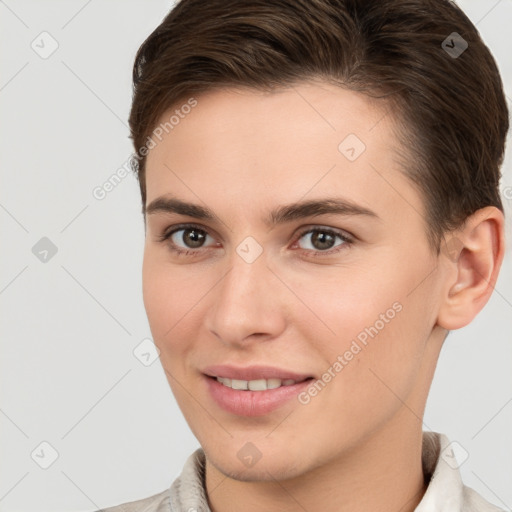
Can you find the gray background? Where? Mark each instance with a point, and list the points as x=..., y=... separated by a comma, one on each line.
x=69, y=326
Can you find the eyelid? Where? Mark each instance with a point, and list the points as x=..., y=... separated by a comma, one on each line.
x=345, y=235
x=347, y=240
x=167, y=233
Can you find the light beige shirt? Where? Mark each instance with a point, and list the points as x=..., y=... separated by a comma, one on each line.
x=445, y=491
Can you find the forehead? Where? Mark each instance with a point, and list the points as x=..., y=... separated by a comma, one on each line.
x=310, y=139
x=312, y=108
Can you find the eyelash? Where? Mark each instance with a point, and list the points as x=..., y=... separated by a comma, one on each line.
x=347, y=240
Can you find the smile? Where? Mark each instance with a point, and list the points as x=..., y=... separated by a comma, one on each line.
x=255, y=385
x=259, y=394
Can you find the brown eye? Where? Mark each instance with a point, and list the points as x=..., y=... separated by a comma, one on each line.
x=192, y=238
x=321, y=240
x=189, y=238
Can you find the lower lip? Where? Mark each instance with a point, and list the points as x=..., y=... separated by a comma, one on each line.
x=252, y=403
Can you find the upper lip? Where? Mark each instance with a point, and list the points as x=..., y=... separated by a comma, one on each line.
x=253, y=373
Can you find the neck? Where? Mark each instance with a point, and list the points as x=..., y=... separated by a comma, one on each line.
x=383, y=473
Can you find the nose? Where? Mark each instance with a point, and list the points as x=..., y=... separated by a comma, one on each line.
x=246, y=305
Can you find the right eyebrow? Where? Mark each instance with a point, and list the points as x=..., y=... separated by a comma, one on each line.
x=171, y=205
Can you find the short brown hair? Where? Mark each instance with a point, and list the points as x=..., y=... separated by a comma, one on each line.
x=451, y=110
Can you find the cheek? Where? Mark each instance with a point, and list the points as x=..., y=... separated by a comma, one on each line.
x=372, y=327
x=157, y=296
x=167, y=298
x=174, y=300
x=345, y=306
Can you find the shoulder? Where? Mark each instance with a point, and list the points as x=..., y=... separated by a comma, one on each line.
x=186, y=492
x=446, y=491
x=474, y=502
x=157, y=503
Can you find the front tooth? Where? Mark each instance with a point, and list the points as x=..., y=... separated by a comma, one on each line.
x=239, y=384
x=273, y=383
x=258, y=385
x=255, y=385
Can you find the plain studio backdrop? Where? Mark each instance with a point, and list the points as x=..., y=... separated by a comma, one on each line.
x=86, y=421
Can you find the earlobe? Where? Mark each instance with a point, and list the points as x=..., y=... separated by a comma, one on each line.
x=473, y=256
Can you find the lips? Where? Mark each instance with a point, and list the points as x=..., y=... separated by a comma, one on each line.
x=253, y=373
x=253, y=391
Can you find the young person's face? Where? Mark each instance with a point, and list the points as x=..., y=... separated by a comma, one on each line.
x=359, y=316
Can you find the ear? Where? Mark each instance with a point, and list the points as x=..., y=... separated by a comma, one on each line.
x=473, y=255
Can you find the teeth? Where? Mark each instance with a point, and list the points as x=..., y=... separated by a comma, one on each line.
x=238, y=384
x=254, y=385
x=273, y=383
x=257, y=385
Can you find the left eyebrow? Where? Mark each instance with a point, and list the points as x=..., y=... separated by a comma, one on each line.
x=312, y=208
x=280, y=215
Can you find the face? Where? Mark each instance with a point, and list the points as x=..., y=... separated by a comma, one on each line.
x=287, y=253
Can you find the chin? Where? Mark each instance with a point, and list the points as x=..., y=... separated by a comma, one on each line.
x=263, y=471
x=249, y=464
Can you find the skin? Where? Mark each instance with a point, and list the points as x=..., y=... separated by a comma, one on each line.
x=357, y=444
